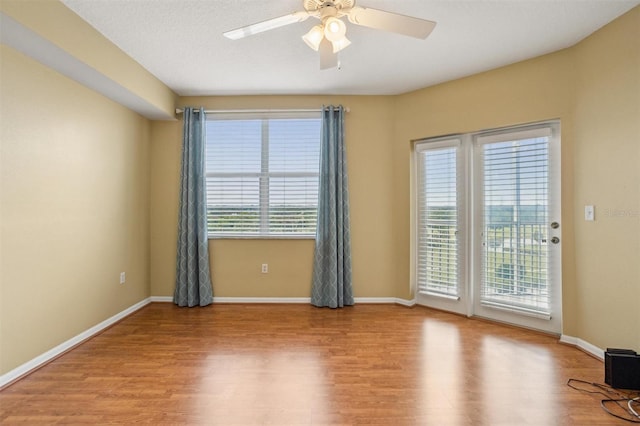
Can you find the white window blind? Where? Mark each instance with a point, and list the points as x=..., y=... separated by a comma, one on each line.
x=262, y=174
x=438, y=254
x=515, y=196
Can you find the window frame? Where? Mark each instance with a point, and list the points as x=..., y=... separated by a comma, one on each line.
x=264, y=176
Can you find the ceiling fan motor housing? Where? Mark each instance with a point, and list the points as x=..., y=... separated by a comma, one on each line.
x=319, y=5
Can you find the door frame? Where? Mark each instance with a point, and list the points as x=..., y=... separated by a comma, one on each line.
x=552, y=323
x=471, y=239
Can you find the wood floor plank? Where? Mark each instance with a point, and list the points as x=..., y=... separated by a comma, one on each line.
x=300, y=365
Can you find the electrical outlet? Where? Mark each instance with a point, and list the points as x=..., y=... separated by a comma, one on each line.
x=123, y=278
x=265, y=268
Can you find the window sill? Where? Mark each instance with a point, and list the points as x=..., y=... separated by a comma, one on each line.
x=262, y=237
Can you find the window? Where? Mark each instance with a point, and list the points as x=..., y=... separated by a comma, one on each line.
x=262, y=174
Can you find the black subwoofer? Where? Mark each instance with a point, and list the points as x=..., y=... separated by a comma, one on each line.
x=622, y=369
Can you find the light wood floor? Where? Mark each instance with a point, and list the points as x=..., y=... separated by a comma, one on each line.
x=300, y=365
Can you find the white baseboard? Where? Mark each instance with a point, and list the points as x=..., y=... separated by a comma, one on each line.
x=374, y=300
x=169, y=299
x=387, y=300
x=261, y=300
x=581, y=344
x=364, y=300
x=405, y=302
x=40, y=360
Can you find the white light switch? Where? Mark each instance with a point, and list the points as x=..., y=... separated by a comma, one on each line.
x=589, y=213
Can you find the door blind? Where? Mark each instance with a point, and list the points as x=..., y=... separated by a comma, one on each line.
x=515, y=198
x=438, y=257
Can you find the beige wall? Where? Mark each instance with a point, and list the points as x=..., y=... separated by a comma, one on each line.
x=607, y=175
x=73, y=209
x=236, y=263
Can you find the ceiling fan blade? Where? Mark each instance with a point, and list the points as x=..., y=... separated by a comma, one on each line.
x=267, y=25
x=328, y=59
x=393, y=22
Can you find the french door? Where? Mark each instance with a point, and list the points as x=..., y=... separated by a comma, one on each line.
x=440, y=225
x=487, y=225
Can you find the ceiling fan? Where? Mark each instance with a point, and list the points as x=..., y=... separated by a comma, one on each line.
x=329, y=37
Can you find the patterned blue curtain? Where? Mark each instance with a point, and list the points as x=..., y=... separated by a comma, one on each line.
x=332, y=258
x=193, y=279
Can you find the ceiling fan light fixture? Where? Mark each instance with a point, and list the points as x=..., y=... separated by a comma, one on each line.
x=314, y=37
x=340, y=44
x=329, y=37
x=334, y=29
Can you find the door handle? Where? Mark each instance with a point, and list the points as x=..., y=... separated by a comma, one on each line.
x=555, y=225
x=555, y=240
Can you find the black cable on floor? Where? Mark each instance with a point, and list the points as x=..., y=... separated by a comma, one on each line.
x=608, y=392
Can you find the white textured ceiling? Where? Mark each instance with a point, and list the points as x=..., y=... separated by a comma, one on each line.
x=181, y=42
